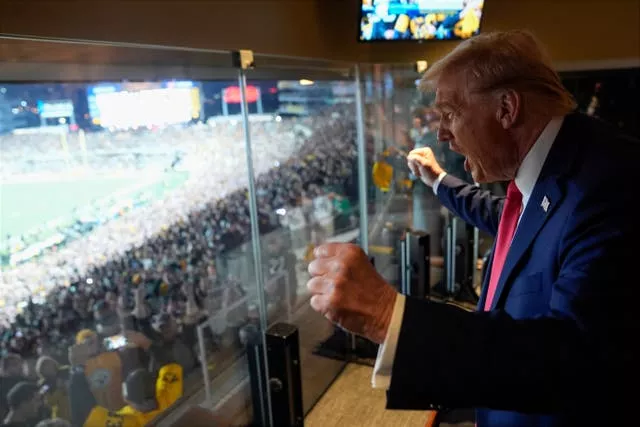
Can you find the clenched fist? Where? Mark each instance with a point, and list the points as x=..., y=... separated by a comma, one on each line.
x=423, y=164
x=349, y=291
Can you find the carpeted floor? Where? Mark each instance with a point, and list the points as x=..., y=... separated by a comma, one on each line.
x=352, y=402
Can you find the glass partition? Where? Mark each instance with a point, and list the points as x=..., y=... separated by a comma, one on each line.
x=399, y=118
x=125, y=235
x=305, y=167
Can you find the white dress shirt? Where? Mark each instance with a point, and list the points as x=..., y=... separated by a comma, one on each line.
x=525, y=180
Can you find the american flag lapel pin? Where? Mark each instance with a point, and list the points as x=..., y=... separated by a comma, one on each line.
x=545, y=203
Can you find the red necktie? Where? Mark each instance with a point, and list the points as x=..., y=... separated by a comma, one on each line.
x=506, y=230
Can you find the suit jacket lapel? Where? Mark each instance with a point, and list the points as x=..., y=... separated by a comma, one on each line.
x=546, y=196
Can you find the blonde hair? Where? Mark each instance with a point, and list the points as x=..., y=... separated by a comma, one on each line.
x=505, y=60
x=84, y=335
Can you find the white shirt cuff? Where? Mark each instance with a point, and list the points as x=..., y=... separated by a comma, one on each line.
x=387, y=350
x=437, y=182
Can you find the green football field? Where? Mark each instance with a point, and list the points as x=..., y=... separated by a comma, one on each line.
x=25, y=206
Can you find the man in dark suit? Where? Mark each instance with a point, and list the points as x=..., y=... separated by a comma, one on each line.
x=553, y=340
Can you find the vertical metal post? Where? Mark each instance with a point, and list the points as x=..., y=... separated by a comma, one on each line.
x=205, y=364
x=203, y=116
x=404, y=280
x=454, y=253
x=448, y=252
x=379, y=98
x=380, y=134
x=476, y=254
x=255, y=233
x=259, y=101
x=285, y=381
x=225, y=107
x=362, y=173
x=256, y=363
x=414, y=261
x=362, y=165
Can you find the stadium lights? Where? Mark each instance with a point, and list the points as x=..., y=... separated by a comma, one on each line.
x=305, y=82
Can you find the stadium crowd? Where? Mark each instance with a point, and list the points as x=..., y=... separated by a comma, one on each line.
x=103, y=330
x=194, y=148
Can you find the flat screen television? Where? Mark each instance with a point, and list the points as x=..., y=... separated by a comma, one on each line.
x=419, y=20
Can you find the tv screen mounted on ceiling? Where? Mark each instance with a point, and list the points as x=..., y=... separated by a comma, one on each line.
x=419, y=20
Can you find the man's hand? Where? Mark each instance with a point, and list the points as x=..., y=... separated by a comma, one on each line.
x=423, y=164
x=349, y=291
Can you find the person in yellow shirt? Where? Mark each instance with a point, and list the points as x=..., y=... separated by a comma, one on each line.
x=52, y=380
x=382, y=173
x=145, y=399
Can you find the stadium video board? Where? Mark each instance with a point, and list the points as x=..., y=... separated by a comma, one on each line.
x=419, y=20
x=132, y=105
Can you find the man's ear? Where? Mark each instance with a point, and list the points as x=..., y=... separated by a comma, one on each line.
x=509, y=104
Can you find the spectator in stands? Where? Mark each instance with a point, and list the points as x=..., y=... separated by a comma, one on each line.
x=82, y=308
x=173, y=343
x=107, y=322
x=418, y=125
x=52, y=381
x=145, y=400
x=26, y=406
x=105, y=368
x=11, y=373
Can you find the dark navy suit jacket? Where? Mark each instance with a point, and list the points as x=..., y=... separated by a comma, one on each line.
x=559, y=346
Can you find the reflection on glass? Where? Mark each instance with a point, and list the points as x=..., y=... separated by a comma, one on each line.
x=127, y=269
x=121, y=206
x=400, y=118
x=307, y=196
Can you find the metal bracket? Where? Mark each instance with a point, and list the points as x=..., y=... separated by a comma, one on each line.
x=242, y=59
